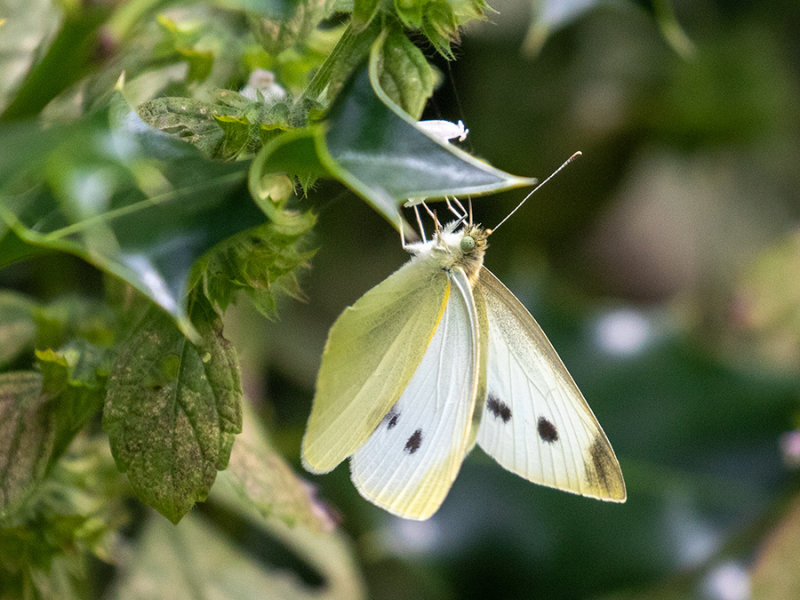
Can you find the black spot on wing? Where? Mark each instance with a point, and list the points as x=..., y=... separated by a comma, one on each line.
x=414, y=442
x=547, y=431
x=391, y=418
x=498, y=408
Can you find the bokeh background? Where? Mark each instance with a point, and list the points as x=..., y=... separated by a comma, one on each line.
x=664, y=267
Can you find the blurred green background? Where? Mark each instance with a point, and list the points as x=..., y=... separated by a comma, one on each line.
x=664, y=265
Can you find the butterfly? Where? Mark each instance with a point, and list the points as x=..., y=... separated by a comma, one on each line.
x=436, y=358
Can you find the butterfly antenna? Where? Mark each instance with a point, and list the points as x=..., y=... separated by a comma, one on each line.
x=534, y=190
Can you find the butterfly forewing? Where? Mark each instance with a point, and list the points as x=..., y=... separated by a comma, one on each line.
x=536, y=422
x=372, y=351
x=410, y=461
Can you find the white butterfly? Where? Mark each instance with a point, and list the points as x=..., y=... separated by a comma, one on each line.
x=437, y=357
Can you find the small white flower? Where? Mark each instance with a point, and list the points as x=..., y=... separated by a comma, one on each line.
x=263, y=81
x=444, y=130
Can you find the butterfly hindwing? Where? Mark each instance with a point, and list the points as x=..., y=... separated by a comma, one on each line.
x=411, y=459
x=536, y=422
x=372, y=351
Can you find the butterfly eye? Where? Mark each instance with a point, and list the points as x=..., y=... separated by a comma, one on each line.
x=467, y=244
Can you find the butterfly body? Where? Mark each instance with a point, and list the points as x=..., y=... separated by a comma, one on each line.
x=438, y=357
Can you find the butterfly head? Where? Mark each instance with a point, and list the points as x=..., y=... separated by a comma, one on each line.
x=472, y=244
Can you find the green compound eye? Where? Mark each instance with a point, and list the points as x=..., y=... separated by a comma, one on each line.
x=467, y=244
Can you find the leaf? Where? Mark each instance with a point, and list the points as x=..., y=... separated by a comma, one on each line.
x=404, y=73
x=280, y=33
x=17, y=325
x=70, y=316
x=373, y=147
x=775, y=575
x=27, y=435
x=66, y=60
x=262, y=262
x=226, y=128
x=133, y=202
x=41, y=413
x=363, y=13
x=20, y=36
x=76, y=376
x=196, y=560
x=440, y=26
x=172, y=410
x=551, y=15
x=74, y=515
x=265, y=483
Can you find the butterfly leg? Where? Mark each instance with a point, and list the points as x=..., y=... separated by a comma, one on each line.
x=419, y=222
x=458, y=210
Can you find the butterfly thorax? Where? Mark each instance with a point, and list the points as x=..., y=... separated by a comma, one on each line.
x=450, y=249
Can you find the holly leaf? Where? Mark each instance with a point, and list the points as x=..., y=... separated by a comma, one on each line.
x=375, y=148
x=132, y=201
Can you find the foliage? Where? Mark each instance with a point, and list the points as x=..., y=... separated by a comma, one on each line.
x=164, y=160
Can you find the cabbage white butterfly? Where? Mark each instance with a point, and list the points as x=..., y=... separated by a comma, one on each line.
x=438, y=357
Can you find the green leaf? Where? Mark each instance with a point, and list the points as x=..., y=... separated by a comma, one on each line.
x=17, y=325
x=66, y=60
x=410, y=12
x=75, y=376
x=20, y=37
x=68, y=317
x=133, y=202
x=74, y=514
x=27, y=436
x=172, y=410
x=41, y=413
x=262, y=262
x=403, y=72
x=363, y=13
x=440, y=26
x=548, y=16
x=262, y=479
x=373, y=147
x=197, y=560
x=277, y=33
x=227, y=127
x=292, y=153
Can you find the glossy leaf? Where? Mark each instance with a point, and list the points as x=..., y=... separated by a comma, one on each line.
x=372, y=146
x=133, y=202
x=172, y=410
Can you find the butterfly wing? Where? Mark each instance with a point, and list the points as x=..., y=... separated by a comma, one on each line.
x=372, y=351
x=536, y=423
x=411, y=459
